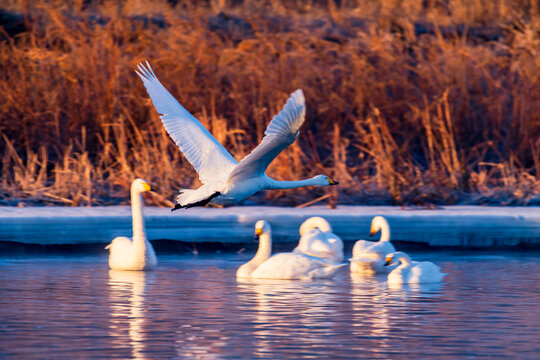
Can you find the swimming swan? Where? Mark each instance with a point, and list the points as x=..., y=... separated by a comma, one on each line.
x=283, y=265
x=317, y=239
x=412, y=272
x=139, y=253
x=226, y=181
x=368, y=256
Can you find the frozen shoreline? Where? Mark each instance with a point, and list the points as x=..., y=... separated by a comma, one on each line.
x=460, y=226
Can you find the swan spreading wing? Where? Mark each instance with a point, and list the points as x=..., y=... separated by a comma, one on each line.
x=209, y=158
x=280, y=133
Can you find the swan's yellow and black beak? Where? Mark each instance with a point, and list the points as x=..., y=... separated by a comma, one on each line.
x=147, y=187
x=332, y=182
x=372, y=232
x=388, y=261
x=258, y=233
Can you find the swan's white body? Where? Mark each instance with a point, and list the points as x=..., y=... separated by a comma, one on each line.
x=412, y=272
x=138, y=254
x=226, y=181
x=369, y=256
x=283, y=266
x=296, y=266
x=317, y=239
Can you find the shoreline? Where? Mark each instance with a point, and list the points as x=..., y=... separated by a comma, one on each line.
x=450, y=226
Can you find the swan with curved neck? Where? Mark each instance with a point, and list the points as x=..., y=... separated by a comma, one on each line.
x=284, y=265
x=136, y=254
x=315, y=222
x=379, y=223
x=225, y=180
x=317, y=239
x=368, y=256
x=412, y=272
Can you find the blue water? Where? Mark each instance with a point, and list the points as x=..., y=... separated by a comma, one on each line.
x=193, y=307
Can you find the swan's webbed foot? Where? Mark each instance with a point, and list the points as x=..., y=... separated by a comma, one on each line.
x=198, y=203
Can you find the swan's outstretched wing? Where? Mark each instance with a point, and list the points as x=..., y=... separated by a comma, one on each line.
x=280, y=133
x=202, y=150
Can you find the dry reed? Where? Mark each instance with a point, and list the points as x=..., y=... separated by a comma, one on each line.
x=408, y=102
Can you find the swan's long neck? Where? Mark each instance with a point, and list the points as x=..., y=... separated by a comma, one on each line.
x=385, y=232
x=315, y=223
x=139, y=232
x=265, y=249
x=276, y=184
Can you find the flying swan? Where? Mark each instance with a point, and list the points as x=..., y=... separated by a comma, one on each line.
x=317, y=239
x=226, y=181
x=139, y=253
x=368, y=256
x=283, y=266
x=412, y=272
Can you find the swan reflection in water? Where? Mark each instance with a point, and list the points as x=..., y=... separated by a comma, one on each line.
x=372, y=308
x=126, y=294
x=416, y=290
x=301, y=310
x=379, y=306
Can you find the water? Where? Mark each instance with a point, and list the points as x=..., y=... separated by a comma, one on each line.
x=193, y=307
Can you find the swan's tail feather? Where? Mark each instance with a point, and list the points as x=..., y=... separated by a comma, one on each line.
x=202, y=202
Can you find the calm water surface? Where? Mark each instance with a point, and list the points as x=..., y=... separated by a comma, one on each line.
x=193, y=307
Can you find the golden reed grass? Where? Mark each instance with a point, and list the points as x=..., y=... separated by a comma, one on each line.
x=408, y=102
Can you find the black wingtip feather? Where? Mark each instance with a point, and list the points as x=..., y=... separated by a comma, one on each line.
x=198, y=203
x=176, y=207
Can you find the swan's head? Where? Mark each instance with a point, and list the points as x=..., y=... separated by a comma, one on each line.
x=323, y=180
x=261, y=227
x=390, y=259
x=395, y=257
x=315, y=222
x=377, y=224
x=140, y=186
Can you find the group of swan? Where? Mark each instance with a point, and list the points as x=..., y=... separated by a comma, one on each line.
x=318, y=262
x=318, y=255
x=381, y=257
x=225, y=180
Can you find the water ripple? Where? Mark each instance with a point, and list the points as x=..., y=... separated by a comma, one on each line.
x=194, y=308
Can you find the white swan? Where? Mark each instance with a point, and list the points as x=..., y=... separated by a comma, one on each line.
x=368, y=256
x=317, y=239
x=226, y=181
x=139, y=253
x=412, y=272
x=283, y=266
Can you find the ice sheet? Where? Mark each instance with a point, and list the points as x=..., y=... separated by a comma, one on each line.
x=465, y=226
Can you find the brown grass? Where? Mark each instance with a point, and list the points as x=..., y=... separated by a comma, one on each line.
x=407, y=103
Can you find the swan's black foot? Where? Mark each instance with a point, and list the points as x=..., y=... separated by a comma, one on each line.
x=198, y=203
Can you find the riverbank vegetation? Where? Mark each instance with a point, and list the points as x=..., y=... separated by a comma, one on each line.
x=408, y=102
